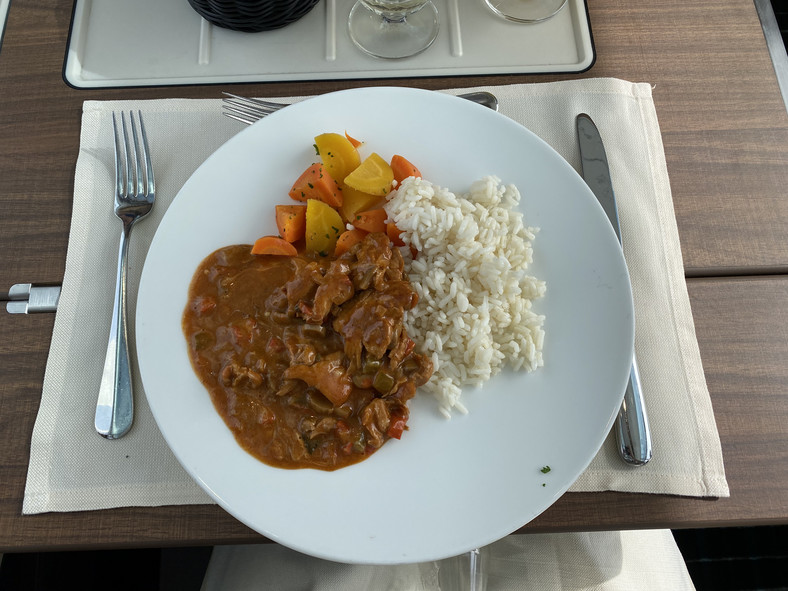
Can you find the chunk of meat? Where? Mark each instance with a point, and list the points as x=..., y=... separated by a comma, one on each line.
x=423, y=370
x=401, y=350
x=321, y=427
x=235, y=375
x=276, y=306
x=328, y=375
x=304, y=285
x=335, y=288
x=373, y=320
x=288, y=445
x=300, y=351
x=374, y=262
x=376, y=418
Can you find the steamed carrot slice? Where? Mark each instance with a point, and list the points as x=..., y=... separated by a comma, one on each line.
x=316, y=183
x=394, y=234
x=373, y=220
x=356, y=143
x=291, y=221
x=348, y=239
x=274, y=245
x=403, y=168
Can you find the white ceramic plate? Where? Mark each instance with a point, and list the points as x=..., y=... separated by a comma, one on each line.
x=449, y=485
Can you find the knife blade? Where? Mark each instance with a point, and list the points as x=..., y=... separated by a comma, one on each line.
x=633, y=433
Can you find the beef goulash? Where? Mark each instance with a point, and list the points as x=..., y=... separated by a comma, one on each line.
x=306, y=357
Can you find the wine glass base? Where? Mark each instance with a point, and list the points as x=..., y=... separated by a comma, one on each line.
x=393, y=39
x=526, y=11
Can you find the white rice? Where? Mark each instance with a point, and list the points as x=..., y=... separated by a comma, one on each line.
x=474, y=312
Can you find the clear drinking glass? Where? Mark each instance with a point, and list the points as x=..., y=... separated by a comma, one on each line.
x=393, y=28
x=526, y=11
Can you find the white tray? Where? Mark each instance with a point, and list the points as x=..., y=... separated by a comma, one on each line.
x=165, y=42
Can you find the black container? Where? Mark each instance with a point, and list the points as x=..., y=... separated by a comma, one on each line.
x=252, y=16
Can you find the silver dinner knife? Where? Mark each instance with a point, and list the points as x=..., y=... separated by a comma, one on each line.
x=632, y=430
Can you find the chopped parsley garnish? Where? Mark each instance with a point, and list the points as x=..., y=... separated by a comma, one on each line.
x=545, y=469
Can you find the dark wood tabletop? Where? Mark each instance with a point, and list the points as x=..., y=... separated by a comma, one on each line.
x=725, y=132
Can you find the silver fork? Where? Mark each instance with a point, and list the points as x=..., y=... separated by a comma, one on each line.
x=248, y=110
x=135, y=191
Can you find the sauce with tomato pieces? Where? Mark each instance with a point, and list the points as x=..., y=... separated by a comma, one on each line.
x=306, y=358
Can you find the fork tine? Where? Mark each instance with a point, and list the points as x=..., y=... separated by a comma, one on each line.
x=137, y=156
x=118, y=156
x=253, y=101
x=247, y=120
x=146, y=156
x=245, y=112
x=248, y=109
x=128, y=179
x=133, y=165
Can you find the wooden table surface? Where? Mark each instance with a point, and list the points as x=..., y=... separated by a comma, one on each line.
x=725, y=132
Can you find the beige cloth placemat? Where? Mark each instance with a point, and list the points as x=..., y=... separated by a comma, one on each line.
x=72, y=468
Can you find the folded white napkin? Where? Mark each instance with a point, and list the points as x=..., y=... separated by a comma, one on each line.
x=72, y=468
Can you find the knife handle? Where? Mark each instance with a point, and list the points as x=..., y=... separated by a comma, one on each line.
x=632, y=431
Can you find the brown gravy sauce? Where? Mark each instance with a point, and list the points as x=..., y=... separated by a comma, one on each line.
x=306, y=358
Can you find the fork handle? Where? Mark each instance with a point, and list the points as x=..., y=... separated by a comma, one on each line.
x=115, y=407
